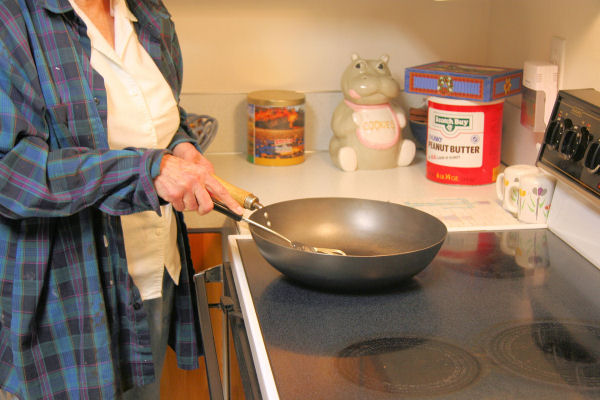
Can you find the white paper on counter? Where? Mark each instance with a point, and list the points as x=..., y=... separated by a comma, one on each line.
x=461, y=214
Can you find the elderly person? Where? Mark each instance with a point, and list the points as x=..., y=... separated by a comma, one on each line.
x=96, y=163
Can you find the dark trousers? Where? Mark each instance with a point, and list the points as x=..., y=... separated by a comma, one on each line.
x=159, y=313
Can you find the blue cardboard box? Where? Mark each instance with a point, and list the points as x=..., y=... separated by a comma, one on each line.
x=463, y=81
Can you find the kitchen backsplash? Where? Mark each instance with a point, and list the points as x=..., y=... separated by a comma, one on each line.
x=230, y=111
x=518, y=145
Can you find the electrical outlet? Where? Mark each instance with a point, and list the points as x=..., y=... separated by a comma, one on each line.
x=558, y=47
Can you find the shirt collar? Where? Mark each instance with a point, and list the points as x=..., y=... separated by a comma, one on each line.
x=56, y=6
x=63, y=6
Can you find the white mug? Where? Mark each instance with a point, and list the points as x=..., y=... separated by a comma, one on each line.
x=535, y=197
x=510, y=176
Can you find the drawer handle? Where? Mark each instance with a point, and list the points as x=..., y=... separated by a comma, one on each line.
x=211, y=361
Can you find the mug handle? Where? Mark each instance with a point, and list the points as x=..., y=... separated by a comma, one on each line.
x=500, y=186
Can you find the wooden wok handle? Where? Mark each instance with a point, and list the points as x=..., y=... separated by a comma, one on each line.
x=243, y=197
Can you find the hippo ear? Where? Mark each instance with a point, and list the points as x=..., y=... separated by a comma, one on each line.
x=385, y=58
x=355, y=56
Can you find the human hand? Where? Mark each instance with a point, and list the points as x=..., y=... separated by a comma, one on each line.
x=188, y=152
x=189, y=185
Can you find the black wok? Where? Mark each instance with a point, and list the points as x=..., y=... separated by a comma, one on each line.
x=385, y=243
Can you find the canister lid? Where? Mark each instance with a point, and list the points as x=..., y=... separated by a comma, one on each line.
x=276, y=98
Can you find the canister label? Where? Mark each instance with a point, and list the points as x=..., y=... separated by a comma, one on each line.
x=275, y=135
x=463, y=141
x=455, y=139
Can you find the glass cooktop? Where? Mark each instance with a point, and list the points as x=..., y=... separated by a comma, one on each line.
x=508, y=314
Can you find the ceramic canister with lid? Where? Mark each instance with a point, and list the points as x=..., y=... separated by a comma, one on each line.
x=275, y=127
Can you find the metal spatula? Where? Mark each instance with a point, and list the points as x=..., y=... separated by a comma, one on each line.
x=223, y=209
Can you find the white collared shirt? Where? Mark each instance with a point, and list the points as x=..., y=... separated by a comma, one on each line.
x=142, y=112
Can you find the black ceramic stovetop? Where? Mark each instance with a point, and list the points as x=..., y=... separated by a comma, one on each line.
x=497, y=315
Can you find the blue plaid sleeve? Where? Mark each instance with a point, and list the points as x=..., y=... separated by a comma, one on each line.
x=38, y=179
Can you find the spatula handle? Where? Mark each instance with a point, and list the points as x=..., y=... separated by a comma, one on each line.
x=223, y=209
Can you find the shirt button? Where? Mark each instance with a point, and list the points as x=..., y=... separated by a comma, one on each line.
x=96, y=100
x=137, y=306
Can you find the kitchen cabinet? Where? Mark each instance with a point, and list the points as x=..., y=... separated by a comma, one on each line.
x=206, y=252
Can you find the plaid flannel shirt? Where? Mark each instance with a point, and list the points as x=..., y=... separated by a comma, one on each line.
x=72, y=325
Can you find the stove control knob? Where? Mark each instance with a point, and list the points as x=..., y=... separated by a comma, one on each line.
x=573, y=143
x=568, y=123
x=553, y=134
x=591, y=158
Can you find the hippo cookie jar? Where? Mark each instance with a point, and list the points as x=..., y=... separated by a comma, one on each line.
x=366, y=128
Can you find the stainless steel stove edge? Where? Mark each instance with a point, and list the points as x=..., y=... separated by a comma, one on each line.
x=575, y=219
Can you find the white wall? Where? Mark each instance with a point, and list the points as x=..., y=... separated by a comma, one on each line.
x=521, y=30
x=236, y=46
x=232, y=47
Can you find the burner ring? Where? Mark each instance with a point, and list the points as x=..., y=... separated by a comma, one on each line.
x=559, y=353
x=408, y=365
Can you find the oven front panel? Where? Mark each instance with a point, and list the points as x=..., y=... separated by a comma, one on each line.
x=571, y=147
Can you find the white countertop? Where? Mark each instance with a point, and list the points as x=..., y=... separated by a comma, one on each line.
x=460, y=207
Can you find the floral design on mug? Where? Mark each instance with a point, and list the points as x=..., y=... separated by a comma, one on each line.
x=514, y=193
x=520, y=197
x=537, y=201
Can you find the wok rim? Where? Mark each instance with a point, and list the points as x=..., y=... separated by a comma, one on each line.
x=260, y=233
